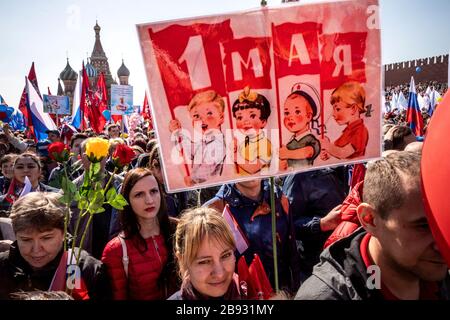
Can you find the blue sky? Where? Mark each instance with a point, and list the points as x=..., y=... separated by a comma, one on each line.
x=46, y=31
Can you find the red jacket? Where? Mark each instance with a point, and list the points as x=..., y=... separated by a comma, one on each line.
x=349, y=217
x=144, y=269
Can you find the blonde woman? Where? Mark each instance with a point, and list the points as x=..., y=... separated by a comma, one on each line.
x=204, y=247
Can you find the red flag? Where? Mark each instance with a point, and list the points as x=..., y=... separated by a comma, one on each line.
x=296, y=48
x=116, y=118
x=247, y=63
x=145, y=113
x=258, y=284
x=192, y=63
x=258, y=273
x=93, y=104
x=343, y=58
x=100, y=104
x=84, y=99
x=23, y=99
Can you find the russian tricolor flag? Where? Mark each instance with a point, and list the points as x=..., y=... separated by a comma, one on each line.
x=413, y=114
x=76, y=110
x=41, y=121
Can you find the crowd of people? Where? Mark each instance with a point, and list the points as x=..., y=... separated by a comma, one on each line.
x=332, y=225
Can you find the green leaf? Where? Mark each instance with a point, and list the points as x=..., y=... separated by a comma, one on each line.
x=97, y=201
x=96, y=168
x=99, y=210
x=118, y=202
x=111, y=194
x=66, y=199
x=83, y=204
x=121, y=199
x=71, y=186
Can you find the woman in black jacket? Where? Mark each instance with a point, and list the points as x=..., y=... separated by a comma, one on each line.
x=37, y=260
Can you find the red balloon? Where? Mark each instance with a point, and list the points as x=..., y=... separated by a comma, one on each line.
x=435, y=169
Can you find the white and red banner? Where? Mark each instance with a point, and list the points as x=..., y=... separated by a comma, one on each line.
x=265, y=92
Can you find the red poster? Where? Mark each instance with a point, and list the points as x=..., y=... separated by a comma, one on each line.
x=264, y=92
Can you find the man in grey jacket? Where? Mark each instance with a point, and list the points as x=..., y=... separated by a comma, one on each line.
x=394, y=255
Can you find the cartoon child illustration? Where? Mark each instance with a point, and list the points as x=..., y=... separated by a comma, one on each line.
x=208, y=153
x=348, y=103
x=251, y=111
x=300, y=110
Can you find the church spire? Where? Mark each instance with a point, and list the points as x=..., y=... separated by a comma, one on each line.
x=98, y=51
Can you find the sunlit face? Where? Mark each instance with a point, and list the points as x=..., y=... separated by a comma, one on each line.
x=297, y=114
x=248, y=120
x=76, y=146
x=114, y=132
x=26, y=166
x=7, y=169
x=344, y=113
x=250, y=184
x=39, y=248
x=145, y=198
x=206, y=116
x=212, y=270
x=407, y=242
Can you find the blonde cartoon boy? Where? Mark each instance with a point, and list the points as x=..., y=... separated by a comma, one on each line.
x=206, y=110
x=300, y=110
x=348, y=103
x=251, y=111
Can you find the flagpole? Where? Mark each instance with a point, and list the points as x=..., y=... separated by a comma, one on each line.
x=274, y=232
x=274, y=217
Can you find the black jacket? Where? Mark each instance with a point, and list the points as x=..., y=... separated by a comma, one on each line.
x=17, y=275
x=342, y=274
x=311, y=196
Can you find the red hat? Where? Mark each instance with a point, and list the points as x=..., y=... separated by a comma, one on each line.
x=435, y=170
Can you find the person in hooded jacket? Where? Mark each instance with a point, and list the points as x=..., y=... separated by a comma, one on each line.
x=393, y=256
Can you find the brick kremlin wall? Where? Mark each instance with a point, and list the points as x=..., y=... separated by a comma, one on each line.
x=432, y=69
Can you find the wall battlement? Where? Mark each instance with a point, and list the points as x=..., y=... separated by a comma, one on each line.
x=432, y=69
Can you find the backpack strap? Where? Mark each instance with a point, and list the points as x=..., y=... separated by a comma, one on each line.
x=125, y=259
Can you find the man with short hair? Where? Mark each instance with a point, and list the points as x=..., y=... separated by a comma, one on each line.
x=394, y=255
x=113, y=131
x=53, y=135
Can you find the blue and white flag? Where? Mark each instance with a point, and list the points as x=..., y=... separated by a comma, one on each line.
x=434, y=99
